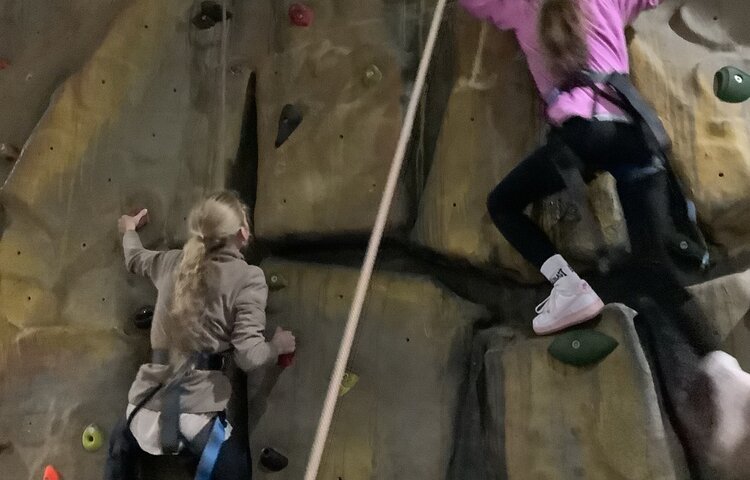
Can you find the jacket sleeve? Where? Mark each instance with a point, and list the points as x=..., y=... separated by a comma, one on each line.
x=631, y=8
x=496, y=11
x=148, y=263
x=251, y=348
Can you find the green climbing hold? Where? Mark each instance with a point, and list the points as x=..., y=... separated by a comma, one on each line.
x=347, y=383
x=92, y=438
x=372, y=76
x=582, y=347
x=276, y=281
x=732, y=85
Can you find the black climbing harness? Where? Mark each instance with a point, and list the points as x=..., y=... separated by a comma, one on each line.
x=687, y=241
x=169, y=420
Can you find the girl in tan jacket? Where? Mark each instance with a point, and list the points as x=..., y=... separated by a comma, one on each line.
x=210, y=303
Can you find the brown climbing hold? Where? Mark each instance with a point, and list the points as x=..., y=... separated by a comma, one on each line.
x=9, y=152
x=301, y=15
x=4, y=63
x=372, y=76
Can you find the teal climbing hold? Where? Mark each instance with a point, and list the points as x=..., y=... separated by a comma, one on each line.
x=582, y=347
x=92, y=438
x=372, y=76
x=276, y=281
x=732, y=85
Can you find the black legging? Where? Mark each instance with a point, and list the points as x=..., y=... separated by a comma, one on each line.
x=596, y=145
x=125, y=455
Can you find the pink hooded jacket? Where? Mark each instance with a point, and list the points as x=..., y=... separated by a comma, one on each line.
x=606, y=41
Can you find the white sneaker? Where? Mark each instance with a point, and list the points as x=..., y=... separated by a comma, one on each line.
x=570, y=303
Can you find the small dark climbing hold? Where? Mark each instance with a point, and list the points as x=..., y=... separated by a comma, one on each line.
x=273, y=460
x=301, y=15
x=289, y=120
x=276, y=281
x=6, y=446
x=209, y=15
x=4, y=63
x=143, y=317
x=9, y=152
x=372, y=76
x=50, y=473
x=582, y=347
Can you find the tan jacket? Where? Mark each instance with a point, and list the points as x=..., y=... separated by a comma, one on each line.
x=235, y=319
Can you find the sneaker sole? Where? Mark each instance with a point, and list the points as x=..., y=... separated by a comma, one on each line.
x=576, y=318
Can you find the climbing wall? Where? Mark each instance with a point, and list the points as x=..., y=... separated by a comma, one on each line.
x=113, y=106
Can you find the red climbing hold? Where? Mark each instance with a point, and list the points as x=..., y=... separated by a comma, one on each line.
x=51, y=474
x=4, y=63
x=286, y=360
x=301, y=15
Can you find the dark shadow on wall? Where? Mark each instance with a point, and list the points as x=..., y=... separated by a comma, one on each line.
x=243, y=174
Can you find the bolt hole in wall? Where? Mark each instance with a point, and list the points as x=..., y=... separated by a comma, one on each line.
x=721, y=174
x=83, y=245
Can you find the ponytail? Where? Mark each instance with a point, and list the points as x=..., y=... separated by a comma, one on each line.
x=212, y=224
x=562, y=32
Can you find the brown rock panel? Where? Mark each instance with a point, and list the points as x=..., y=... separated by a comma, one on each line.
x=603, y=421
x=410, y=353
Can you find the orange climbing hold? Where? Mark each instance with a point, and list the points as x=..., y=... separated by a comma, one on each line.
x=301, y=15
x=51, y=474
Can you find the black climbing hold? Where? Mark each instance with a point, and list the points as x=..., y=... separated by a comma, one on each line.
x=582, y=347
x=273, y=460
x=289, y=120
x=9, y=152
x=143, y=317
x=209, y=15
x=276, y=281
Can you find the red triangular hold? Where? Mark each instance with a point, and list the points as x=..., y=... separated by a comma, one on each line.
x=51, y=474
x=301, y=15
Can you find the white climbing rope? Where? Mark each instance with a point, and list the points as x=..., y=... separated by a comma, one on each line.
x=324, y=425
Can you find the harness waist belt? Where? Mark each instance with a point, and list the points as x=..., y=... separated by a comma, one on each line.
x=204, y=361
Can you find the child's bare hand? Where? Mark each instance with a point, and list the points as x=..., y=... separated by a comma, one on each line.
x=134, y=222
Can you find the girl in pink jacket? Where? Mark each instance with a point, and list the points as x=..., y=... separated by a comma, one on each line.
x=561, y=39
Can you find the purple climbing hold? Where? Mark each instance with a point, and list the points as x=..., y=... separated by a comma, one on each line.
x=301, y=15
x=289, y=120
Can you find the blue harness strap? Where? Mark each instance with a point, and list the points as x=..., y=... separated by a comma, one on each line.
x=211, y=450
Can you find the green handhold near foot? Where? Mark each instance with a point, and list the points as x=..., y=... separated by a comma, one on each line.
x=582, y=347
x=92, y=438
x=732, y=85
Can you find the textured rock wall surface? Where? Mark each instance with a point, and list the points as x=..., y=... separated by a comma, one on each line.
x=411, y=359
x=599, y=422
x=328, y=177
x=41, y=44
x=675, y=52
x=138, y=125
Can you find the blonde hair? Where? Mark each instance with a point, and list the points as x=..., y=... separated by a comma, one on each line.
x=562, y=32
x=212, y=223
